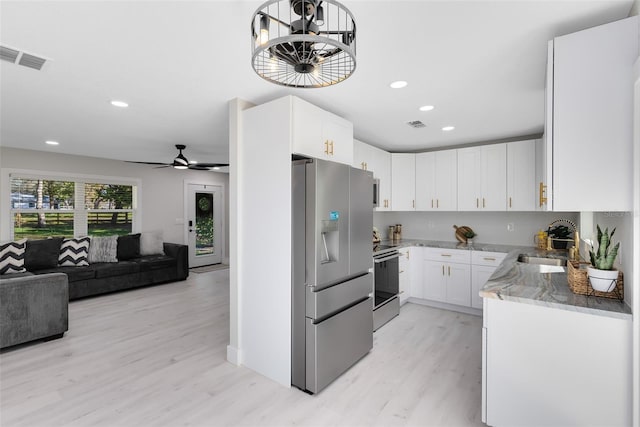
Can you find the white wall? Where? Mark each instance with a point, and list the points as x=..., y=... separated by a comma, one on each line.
x=491, y=227
x=162, y=190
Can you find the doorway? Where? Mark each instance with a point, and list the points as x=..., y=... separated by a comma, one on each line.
x=204, y=224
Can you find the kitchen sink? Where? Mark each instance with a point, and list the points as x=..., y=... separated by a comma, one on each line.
x=533, y=259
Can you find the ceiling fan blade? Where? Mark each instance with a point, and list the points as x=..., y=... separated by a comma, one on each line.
x=148, y=163
x=162, y=166
x=211, y=165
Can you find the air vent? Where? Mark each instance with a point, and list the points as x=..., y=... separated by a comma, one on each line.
x=22, y=58
x=8, y=54
x=416, y=124
x=32, y=61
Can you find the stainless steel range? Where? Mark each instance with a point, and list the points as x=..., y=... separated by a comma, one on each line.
x=386, y=284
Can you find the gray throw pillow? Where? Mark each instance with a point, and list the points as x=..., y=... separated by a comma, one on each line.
x=103, y=249
x=151, y=243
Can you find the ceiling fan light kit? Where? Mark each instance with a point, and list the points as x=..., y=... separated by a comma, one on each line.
x=303, y=43
x=181, y=162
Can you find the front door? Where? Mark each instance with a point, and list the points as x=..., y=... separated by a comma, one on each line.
x=204, y=214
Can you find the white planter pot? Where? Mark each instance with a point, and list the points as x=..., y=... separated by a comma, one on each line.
x=602, y=280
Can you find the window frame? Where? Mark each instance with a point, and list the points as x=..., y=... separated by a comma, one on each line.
x=80, y=211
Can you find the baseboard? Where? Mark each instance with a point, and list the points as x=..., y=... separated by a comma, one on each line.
x=445, y=306
x=234, y=355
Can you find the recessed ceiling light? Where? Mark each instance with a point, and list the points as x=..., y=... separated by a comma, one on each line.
x=398, y=84
x=52, y=142
x=426, y=108
x=120, y=104
x=448, y=128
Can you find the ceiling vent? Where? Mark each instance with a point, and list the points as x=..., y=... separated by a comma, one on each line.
x=416, y=124
x=16, y=56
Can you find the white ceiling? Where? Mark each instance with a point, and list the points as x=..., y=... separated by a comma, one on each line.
x=178, y=63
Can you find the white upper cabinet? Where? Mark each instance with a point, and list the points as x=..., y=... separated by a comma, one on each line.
x=592, y=122
x=482, y=176
x=436, y=181
x=521, y=175
x=368, y=157
x=403, y=182
x=320, y=134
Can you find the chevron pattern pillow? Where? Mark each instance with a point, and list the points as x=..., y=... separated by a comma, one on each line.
x=74, y=252
x=12, y=256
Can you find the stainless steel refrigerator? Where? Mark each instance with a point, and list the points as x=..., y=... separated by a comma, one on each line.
x=332, y=320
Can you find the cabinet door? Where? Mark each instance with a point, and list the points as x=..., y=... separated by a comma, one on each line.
x=337, y=138
x=403, y=181
x=479, y=276
x=404, y=266
x=521, y=176
x=494, y=177
x=320, y=134
x=469, y=185
x=382, y=172
x=458, y=278
x=426, y=175
x=544, y=147
x=593, y=118
x=434, y=285
x=362, y=156
x=446, y=180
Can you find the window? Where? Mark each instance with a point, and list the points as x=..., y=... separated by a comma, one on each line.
x=42, y=207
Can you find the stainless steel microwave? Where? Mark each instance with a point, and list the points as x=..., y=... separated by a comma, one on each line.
x=376, y=193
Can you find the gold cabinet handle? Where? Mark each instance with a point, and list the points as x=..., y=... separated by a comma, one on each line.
x=437, y=203
x=332, y=148
x=447, y=255
x=449, y=269
x=413, y=203
x=509, y=201
x=543, y=194
x=362, y=166
x=488, y=259
x=483, y=205
x=477, y=203
x=407, y=254
x=431, y=203
x=326, y=147
x=401, y=271
x=443, y=269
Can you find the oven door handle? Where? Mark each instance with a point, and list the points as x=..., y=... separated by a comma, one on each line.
x=387, y=258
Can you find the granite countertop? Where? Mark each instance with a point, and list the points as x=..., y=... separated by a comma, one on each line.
x=475, y=246
x=547, y=286
x=529, y=283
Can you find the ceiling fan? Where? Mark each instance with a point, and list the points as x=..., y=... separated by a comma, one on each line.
x=181, y=162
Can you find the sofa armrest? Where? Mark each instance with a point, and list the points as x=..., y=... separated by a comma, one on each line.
x=33, y=307
x=181, y=253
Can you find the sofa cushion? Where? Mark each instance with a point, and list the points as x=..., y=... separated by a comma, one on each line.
x=42, y=253
x=103, y=249
x=15, y=275
x=155, y=262
x=12, y=256
x=128, y=246
x=151, y=243
x=74, y=274
x=121, y=268
x=74, y=252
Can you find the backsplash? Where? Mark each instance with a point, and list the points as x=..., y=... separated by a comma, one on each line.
x=491, y=227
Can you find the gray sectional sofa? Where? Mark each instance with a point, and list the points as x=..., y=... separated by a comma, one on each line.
x=33, y=303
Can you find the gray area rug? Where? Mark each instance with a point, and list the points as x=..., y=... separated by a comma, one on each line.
x=208, y=268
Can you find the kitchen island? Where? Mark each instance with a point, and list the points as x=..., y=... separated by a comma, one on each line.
x=551, y=357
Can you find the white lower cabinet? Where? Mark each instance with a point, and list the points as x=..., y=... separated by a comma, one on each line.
x=483, y=264
x=404, y=267
x=545, y=366
x=446, y=276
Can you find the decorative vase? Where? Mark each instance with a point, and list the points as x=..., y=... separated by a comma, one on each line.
x=602, y=280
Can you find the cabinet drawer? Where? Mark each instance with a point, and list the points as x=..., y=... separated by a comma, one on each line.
x=487, y=258
x=446, y=255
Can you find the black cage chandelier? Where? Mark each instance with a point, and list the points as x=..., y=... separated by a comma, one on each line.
x=303, y=43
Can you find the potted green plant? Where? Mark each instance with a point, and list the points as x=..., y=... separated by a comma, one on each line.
x=560, y=236
x=602, y=275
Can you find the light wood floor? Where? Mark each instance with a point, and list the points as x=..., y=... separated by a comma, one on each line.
x=156, y=357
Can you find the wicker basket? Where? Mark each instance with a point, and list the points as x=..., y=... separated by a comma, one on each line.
x=579, y=282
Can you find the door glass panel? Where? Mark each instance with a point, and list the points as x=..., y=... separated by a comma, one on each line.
x=204, y=224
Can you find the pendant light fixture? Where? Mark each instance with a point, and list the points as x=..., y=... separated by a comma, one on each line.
x=303, y=43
